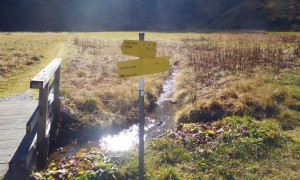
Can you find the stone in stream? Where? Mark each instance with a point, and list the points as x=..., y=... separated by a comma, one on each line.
x=159, y=123
x=173, y=101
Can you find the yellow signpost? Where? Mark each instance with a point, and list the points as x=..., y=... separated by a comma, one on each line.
x=141, y=67
x=147, y=64
x=141, y=49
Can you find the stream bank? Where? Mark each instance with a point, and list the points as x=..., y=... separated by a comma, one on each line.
x=73, y=135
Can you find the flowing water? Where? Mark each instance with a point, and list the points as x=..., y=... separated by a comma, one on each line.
x=157, y=122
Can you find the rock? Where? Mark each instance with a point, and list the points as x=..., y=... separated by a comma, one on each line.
x=172, y=101
x=159, y=123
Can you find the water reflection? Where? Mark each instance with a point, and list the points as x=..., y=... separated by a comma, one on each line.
x=156, y=123
x=121, y=142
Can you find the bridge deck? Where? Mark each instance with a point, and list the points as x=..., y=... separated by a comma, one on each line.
x=13, y=119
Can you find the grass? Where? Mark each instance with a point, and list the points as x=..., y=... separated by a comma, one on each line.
x=22, y=56
x=231, y=148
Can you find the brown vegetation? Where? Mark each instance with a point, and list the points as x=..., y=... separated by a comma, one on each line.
x=226, y=74
x=95, y=93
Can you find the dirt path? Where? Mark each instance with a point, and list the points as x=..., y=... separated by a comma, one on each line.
x=26, y=96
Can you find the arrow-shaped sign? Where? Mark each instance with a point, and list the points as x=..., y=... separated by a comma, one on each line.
x=141, y=67
x=142, y=49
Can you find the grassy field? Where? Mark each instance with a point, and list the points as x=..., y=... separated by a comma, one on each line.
x=23, y=55
x=238, y=101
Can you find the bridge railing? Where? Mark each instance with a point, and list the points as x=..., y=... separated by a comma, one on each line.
x=35, y=144
x=48, y=83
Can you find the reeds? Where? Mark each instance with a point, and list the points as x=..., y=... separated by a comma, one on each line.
x=209, y=57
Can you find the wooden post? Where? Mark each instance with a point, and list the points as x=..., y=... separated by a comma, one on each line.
x=42, y=143
x=56, y=102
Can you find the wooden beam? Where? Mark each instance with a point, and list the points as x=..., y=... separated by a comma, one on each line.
x=32, y=121
x=51, y=86
x=42, y=145
x=25, y=154
x=57, y=102
x=42, y=78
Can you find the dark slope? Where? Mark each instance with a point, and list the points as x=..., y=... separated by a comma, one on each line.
x=100, y=15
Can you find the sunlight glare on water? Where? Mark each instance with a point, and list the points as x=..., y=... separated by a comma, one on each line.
x=168, y=88
x=122, y=141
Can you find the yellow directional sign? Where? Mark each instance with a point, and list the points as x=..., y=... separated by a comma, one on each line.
x=142, y=49
x=141, y=67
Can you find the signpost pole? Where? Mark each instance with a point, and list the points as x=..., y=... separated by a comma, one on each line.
x=141, y=120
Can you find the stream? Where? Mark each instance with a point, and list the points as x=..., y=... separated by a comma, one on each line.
x=157, y=122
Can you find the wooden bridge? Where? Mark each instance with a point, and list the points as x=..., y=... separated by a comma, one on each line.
x=25, y=125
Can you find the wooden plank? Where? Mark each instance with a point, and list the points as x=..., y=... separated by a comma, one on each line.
x=8, y=144
x=11, y=126
x=18, y=120
x=5, y=158
x=9, y=137
x=23, y=104
x=12, y=132
x=9, y=104
x=19, y=115
x=3, y=169
x=33, y=120
x=7, y=154
x=42, y=78
x=15, y=107
x=23, y=112
x=12, y=108
x=13, y=119
x=17, y=125
x=25, y=153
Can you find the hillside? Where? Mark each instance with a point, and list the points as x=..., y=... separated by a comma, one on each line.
x=156, y=15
